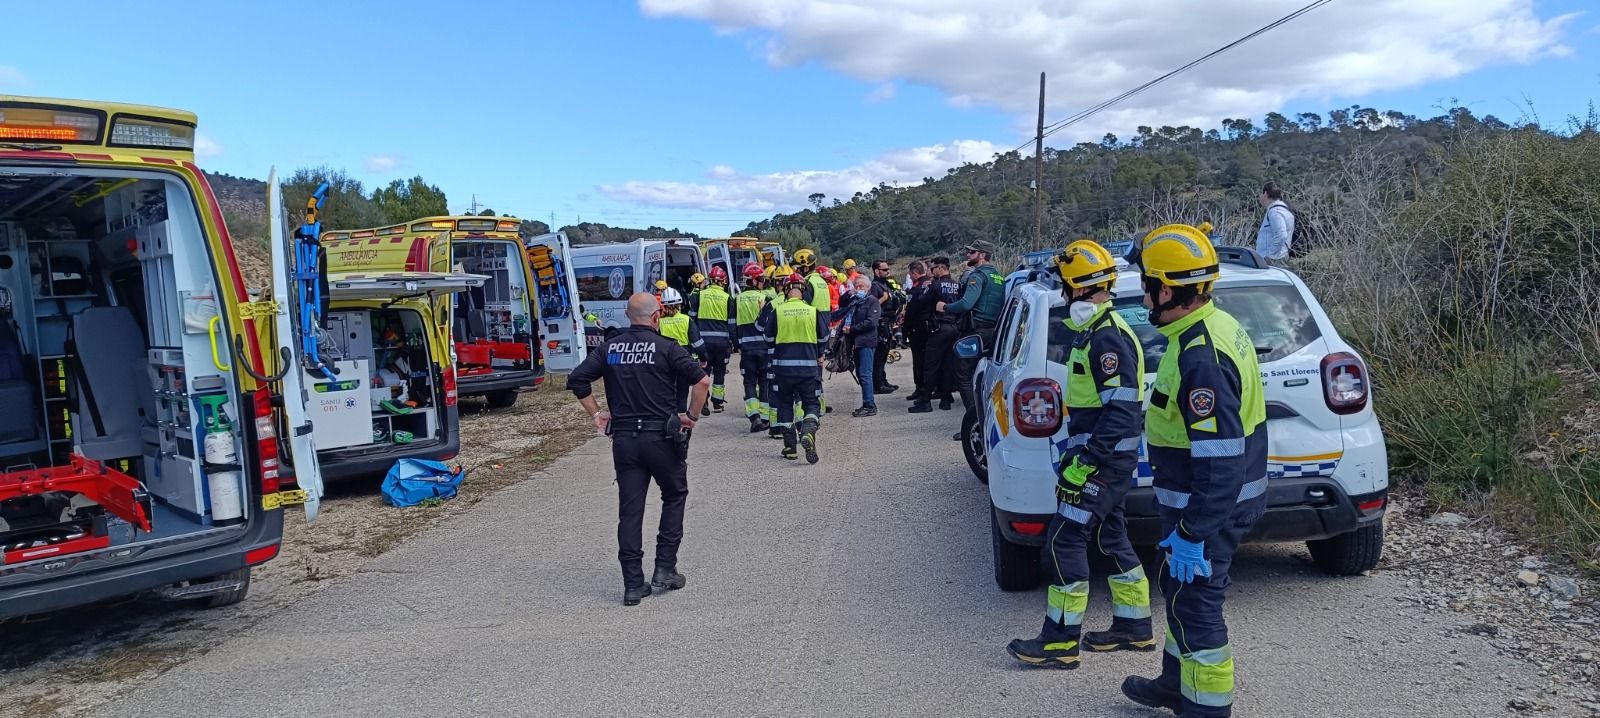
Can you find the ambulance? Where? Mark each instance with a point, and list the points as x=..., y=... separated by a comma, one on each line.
x=393, y=389
x=145, y=442
x=495, y=332
x=607, y=274
x=733, y=253
x=556, y=300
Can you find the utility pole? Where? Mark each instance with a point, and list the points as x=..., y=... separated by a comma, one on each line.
x=1038, y=174
x=474, y=209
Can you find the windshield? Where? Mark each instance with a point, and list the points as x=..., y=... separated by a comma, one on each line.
x=1275, y=316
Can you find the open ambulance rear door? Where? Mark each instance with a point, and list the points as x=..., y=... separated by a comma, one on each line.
x=717, y=255
x=556, y=287
x=295, y=433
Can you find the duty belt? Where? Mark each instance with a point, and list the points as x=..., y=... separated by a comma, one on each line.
x=640, y=425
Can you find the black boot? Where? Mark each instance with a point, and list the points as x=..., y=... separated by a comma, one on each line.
x=808, y=440
x=946, y=403
x=790, y=451
x=632, y=596
x=917, y=395
x=757, y=424
x=921, y=407
x=1147, y=692
x=666, y=579
x=1119, y=640
x=1053, y=648
x=774, y=432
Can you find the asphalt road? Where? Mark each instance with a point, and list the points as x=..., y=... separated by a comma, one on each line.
x=859, y=586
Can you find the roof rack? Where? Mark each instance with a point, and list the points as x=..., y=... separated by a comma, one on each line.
x=1242, y=256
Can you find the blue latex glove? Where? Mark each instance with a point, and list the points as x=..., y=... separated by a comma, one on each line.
x=1187, y=560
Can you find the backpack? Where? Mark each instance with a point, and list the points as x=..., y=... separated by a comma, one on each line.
x=1300, y=239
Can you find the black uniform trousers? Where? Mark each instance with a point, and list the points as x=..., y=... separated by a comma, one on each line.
x=1099, y=525
x=941, y=369
x=966, y=367
x=753, y=368
x=716, y=356
x=641, y=456
x=1194, y=610
x=917, y=341
x=803, y=388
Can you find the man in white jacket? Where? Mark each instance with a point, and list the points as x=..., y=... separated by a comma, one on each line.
x=1277, y=226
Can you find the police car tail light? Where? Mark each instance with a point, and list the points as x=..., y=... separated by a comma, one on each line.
x=1344, y=383
x=1036, y=407
x=450, y=395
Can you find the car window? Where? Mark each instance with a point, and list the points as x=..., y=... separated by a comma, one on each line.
x=1002, y=335
x=1275, y=316
x=1019, y=333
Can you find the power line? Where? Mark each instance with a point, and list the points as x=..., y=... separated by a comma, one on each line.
x=1097, y=109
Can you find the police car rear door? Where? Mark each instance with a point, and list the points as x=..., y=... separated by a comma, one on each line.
x=560, y=324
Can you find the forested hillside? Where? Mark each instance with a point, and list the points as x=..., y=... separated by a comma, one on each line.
x=1114, y=188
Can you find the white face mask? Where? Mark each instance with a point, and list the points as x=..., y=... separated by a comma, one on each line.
x=1082, y=312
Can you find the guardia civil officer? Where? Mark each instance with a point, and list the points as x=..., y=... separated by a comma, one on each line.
x=1207, y=432
x=798, y=334
x=649, y=429
x=711, y=310
x=753, y=346
x=1105, y=379
x=982, y=298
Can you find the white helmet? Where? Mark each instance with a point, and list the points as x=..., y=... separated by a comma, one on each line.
x=670, y=297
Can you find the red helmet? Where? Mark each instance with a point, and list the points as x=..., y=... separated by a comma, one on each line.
x=718, y=274
x=752, y=271
x=825, y=272
x=794, y=280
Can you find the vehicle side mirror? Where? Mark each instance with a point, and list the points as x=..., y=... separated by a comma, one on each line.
x=970, y=347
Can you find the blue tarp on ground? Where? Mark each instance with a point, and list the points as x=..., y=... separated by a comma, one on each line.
x=413, y=481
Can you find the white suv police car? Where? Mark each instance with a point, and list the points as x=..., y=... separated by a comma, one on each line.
x=1327, y=470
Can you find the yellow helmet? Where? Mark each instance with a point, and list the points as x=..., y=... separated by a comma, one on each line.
x=1179, y=255
x=768, y=271
x=1085, y=263
x=849, y=264
x=697, y=279
x=661, y=284
x=781, y=272
x=805, y=258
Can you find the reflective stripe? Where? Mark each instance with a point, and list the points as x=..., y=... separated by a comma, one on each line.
x=1066, y=604
x=1129, y=444
x=715, y=334
x=1253, y=489
x=1130, y=594
x=1206, y=677
x=1077, y=440
x=1073, y=513
x=1172, y=499
x=1216, y=448
x=793, y=362
x=756, y=339
x=1172, y=643
x=1121, y=393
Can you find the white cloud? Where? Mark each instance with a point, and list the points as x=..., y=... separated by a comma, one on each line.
x=380, y=163
x=882, y=93
x=721, y=172
x=12, y=77
x=989, y=54
x=789, y=190
x=205, y=146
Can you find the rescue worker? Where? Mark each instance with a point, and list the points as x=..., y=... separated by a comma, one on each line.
x=1105, y=380
x=752, y=346
x=777, y=281
x=1207, y=435
x=820, y=293
x=848, y=268
x=946, y=332
x=649, y=437
x=798, y=334
x=677, y=326
x=982, y=298
x=711, y=312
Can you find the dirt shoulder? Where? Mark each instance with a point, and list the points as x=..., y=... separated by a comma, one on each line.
x=65, y=663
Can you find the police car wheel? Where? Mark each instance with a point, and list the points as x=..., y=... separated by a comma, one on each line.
x=973, y=448
x=1349, y=554
x=502, y=399
x=1016, y=567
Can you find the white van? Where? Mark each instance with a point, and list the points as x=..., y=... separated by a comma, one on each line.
x=607, y=274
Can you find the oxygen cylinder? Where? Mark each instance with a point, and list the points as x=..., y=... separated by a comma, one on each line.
x=221, y=454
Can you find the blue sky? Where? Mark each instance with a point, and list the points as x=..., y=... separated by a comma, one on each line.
x=706, y=114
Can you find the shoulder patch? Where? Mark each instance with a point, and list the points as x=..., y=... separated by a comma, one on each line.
x=1202, y=402
x=1109, y=363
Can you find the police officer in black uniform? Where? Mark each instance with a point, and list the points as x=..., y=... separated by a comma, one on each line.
x=649, y=437
x=941, y=369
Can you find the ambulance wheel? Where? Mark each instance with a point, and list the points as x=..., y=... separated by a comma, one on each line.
x=1016, y=567
x=230, y=597
x=973, y=448
x=1349, y=554
x=502, y=399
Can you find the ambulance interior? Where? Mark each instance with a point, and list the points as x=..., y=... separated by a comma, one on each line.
x=112, y=349
x=384, y=392
x=683, y=261
x=498, y=311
